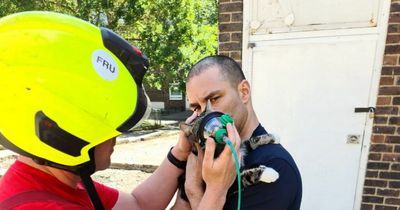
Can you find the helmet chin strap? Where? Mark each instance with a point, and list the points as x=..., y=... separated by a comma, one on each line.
x=84, y=173
x=94, y=196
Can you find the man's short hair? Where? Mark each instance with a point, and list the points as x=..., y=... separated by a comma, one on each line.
x=228, y=68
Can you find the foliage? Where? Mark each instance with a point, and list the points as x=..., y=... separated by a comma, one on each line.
x=148, y=125
x=174, y=34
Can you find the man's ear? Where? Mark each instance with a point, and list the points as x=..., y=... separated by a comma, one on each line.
x=244, y=91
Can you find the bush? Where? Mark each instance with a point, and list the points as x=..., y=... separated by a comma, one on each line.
x=149, y=125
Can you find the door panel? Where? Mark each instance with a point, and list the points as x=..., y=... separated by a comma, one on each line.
x=305, y=92
x=277, y=16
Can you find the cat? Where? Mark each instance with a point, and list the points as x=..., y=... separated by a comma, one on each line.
x=260, y=173
x=250, y=176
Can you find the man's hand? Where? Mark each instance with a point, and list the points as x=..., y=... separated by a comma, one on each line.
x=180, y=204
x=194, y=184
x=183, y=147
x=219, y=174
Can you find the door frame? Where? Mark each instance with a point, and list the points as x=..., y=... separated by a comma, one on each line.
x=249, y=42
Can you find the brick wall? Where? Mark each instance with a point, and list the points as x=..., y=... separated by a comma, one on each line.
x=382, y=182
x=230, y=28
x=163, y=96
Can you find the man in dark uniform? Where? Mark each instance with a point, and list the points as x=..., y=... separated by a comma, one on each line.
x=219, y=81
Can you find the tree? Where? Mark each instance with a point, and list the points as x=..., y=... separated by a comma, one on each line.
x=174, y=34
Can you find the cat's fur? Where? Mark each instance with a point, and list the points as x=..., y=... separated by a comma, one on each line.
x=261, y=173
x=249, y=176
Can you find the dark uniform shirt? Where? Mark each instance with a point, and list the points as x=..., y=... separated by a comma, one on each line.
x=283, y=194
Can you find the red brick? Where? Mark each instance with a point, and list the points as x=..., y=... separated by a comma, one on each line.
x=386, y=81
x=237, y=17
x=396, y=100
x=397, y=148
x=383, y=130
x=379, y=207
x=231, y=7
x=224, y=37
x=224, y=18
x=366, y=206
x=372, y=174
x=386, y=110
x=394, y=18
x=394, y=184
x=236, y=55
x=394, y=121
x=391, y=157
x=390, y=60
x=397, y=81
x=236, y=37
x=380, y=120
x=393, y=28
x=390, y=71
x=378, y=166
x=389, y=91
x=223, y=53
x=392, y=49
x=372, y=199
x=392, y=201
x=381, y=148
x=395, y=167
x=230, y=46
x=388, y=192
x=374, y=156
x=369, y=191
x=230, y=27
x=393, y=139
x=375, y=183
x=378, y=138
x=392, y=39
x=395, y=7
x=384, y=100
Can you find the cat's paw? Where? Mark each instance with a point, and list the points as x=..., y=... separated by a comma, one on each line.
x=268, y=175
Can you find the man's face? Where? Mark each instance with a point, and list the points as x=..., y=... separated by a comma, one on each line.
x=210, y=86
x=102, y=154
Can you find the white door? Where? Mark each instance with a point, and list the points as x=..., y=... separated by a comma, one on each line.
x=310, y=89
x=310, y=64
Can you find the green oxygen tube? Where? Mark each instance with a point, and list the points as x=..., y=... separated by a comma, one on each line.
x=221, y=136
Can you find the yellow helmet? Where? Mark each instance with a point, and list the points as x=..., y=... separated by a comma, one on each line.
x=65, y=87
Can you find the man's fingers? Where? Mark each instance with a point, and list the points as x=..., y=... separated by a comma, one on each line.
x=200, y=152
x=233, y=135
x=191, y=159
x=209, y=153
x=234, y=138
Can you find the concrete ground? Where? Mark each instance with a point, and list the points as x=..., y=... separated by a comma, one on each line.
x=134, y=161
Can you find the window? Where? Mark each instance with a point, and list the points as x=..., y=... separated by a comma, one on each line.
x=174, y=92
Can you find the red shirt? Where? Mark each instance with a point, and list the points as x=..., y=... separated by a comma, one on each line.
x=21, y=177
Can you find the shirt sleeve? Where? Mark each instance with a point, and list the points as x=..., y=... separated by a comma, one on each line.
x=108, y=195
x=49, y=205
x=278, y=195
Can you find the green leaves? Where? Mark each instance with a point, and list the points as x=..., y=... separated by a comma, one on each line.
x=174, y=34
